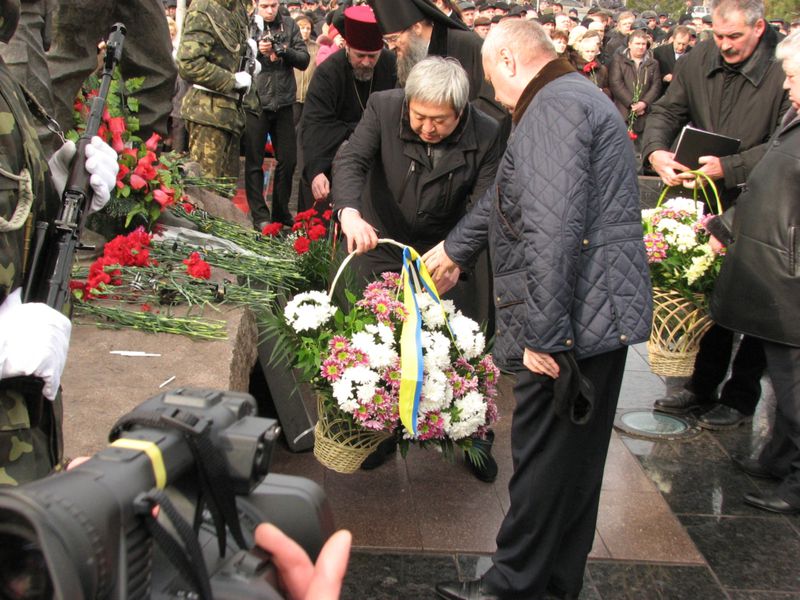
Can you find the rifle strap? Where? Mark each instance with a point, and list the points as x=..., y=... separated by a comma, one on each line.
x=24, y=202
x=40, y=113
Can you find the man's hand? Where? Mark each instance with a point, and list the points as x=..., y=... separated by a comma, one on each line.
x=361, y=236
x=541, y=363
x=101, y=164
x=639, y=108
x=301, y=579
x=34, y=340
x=663, y=163
x=443, y=270
x=716, y=246
x=320, y=187
x=710, y=165
x=667, y=78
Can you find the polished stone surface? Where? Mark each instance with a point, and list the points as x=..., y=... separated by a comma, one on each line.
x=616, y=581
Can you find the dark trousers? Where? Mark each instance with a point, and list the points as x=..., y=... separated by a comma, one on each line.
x=547, y=535
x=743, y=390
x=279, y=125
x=782, y=452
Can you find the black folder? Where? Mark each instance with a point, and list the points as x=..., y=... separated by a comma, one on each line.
x=694, y=143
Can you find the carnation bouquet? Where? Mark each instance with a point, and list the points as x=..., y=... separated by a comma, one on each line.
x=400, y=362
x=683, y=268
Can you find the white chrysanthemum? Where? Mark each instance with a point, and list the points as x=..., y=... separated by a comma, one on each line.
x=365, y=381
x=383, y=331
x=449, y=307
x=648, y=213
x=688, y=204
x=431, y=311
x=472, y=415
x=379, y=354
x=469, y=339
x=700, y=265
x=308, y=310
x=435, y=350
x=682, y=237
x=437, y=392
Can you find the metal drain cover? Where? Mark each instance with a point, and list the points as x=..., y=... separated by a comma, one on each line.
x=653, y=425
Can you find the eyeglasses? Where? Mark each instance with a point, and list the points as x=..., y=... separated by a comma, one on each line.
x=391, y=40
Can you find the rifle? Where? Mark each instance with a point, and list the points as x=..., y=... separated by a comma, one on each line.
x=249, y=59
x=54, y=244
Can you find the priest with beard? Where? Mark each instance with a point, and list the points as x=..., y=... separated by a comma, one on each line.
x=415, y=29
x=337, y=95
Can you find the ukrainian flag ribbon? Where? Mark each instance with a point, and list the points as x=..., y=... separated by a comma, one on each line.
x=416, y=280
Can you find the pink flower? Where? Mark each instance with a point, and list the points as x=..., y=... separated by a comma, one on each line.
x=152, y=142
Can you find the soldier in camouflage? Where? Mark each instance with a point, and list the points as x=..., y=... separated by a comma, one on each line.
x=33, y=337
x=213, y=43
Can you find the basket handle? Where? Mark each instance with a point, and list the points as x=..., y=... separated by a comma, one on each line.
x=350, y=256
x=699, y=175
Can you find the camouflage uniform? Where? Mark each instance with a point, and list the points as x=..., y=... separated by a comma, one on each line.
x=212, y=46
x=30, y=444
x=78, y=27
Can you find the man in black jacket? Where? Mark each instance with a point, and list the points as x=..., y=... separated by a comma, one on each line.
x=668, y=55
x=280, y=51
x=730, y=85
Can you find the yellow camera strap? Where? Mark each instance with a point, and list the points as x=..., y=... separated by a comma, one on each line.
x=152, y=451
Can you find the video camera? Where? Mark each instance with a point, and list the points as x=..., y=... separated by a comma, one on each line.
x=183, y=468
x=277, y=39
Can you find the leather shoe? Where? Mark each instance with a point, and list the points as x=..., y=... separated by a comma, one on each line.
x=752, y=467
x=474, y=589
x=681, y=402
x=772, y=502
x=720, y=417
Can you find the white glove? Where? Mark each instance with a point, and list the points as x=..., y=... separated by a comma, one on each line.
x=101, y=164
x=254, y=49
x=259, y=22
x=243, y=80
x=34, y=340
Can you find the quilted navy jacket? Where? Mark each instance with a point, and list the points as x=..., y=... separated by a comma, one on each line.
x=564, y=229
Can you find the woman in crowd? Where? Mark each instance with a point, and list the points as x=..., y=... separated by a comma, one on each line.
x=635, y=81
x=559, y=37
x=303, y=78
x=583, y=57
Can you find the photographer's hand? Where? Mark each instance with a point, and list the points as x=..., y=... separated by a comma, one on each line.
x=302, y=579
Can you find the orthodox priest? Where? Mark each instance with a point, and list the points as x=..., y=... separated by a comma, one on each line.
x=338, y=93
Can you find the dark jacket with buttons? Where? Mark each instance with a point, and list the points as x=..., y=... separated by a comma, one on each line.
x=564, y=226
x=275, y=85
x=758, y=288
x=411, y=191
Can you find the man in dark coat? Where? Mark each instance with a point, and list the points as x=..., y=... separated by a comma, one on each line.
x=415, y=29
x=572, y=292
x=338, y=94
x=733, y=86
x=668, y=55
x=758, y=289
x=281, y=50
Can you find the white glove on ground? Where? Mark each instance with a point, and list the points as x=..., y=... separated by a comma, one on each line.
x=243, y=80
x=101, y=164
x=34, y=340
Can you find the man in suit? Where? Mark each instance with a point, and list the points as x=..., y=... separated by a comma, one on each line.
x=668, y=54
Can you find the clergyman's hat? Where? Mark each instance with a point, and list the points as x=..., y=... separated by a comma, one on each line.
x=399, y=15
x=361, y=30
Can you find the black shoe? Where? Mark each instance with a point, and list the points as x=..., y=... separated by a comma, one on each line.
x=681, y=403
x=721, y=416
x=474, y=589
x=752, y=467
x=772, y=502
x=384, y=450
x=486, y=469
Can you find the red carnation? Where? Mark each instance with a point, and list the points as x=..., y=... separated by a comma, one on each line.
x=316, y=232
x=272, y=229
x=302, y=245
x=197, y=267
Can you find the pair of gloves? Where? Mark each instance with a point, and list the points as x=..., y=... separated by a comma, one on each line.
x=34, y=338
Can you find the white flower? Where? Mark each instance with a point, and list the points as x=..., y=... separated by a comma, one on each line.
x=431, y=311
x=365, y=380
x=472, y=415
x=686, y=204
x=682, y=237
x=435, y=350
x=700, y=264
x=437, y=392
x=469, y=339
x=308, y=310
x=379, y=354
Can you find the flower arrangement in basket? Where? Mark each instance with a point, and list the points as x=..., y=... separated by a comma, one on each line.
x=683, y=268
x=401, y=362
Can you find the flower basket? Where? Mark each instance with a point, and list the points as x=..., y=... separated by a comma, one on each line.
x=678, y=326
x=340, y=444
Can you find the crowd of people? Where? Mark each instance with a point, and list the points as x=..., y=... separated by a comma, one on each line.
x=455, y=127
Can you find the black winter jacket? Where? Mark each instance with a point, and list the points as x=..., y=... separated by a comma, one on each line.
x=385, y=171
x=564, y=227
x=623, y=77
x=749, y=107
x=275, y=85
x=758, y=288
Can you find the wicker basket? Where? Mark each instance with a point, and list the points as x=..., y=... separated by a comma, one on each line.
x=341, y=445
x=678, y=326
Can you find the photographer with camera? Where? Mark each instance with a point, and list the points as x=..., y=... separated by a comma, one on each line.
x=281, y=49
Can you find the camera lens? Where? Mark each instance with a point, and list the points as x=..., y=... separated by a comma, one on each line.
x=23, y=571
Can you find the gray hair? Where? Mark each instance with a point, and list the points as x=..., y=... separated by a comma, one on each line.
x=527, y=40
x=753, y=9
x=789, y=48
x=438, y=80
